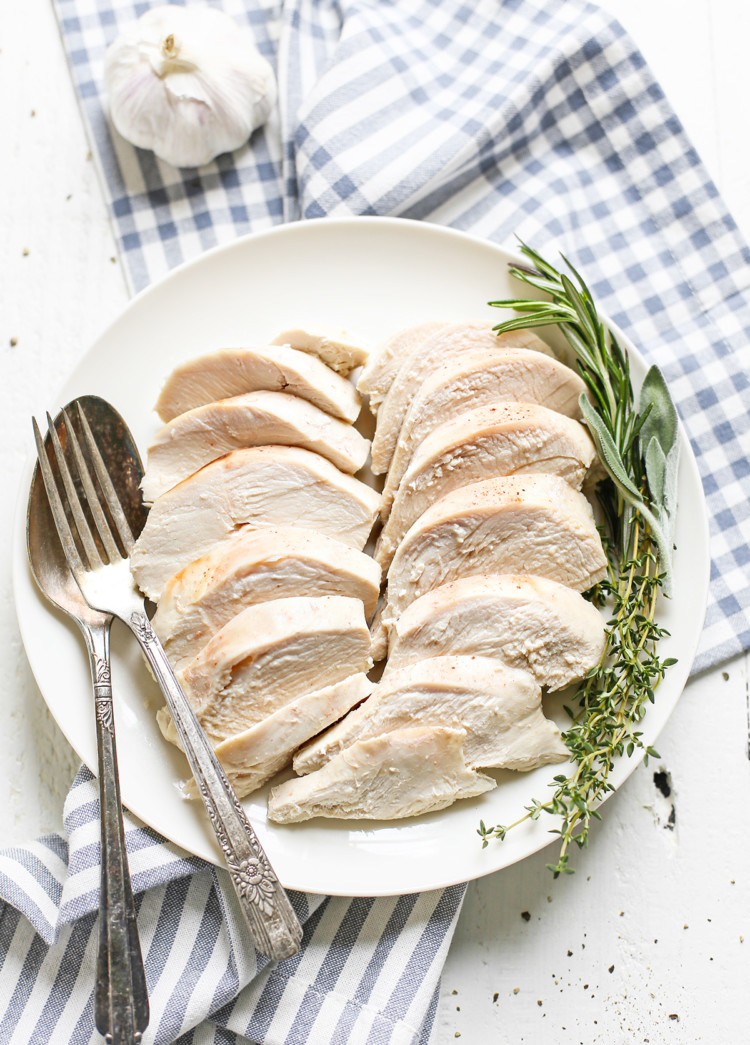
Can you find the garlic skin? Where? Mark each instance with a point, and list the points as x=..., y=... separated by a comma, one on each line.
x=188, y=83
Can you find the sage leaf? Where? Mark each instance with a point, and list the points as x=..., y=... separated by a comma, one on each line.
x=660, y=445
x=639, y=448
x=608, y=452
x=669, y=500
x=656, y=471
x=661, y=473
x=668, y=504
x=661, y=420
x=663, y=539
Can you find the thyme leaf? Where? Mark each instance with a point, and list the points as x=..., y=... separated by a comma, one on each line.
x=639, y=449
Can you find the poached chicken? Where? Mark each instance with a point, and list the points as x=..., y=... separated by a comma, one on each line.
x=502, y=439
x=252, y=567
x=260, y=487
x=499, y=708
x=531, y=623
x=403, y=773
x=535, y=525
x=202, y=435
x=234, y=371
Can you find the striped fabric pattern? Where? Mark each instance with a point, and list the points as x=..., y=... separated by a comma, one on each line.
x=369, y=969
x=536, y=117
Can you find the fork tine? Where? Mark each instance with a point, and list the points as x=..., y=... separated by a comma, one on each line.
x=84, y=530
x=92, y=498
x=56, y=506
x=105, y=482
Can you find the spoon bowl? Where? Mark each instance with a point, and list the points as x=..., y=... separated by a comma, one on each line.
x=92, y=517
x=121, y=999
x=46, y=559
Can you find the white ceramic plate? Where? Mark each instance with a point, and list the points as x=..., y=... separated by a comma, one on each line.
x=373, y=275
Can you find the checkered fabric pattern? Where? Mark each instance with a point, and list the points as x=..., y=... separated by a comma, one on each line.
x=535, y=117
x=498, y=117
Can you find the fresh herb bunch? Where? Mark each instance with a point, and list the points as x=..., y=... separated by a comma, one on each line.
x=639, y=449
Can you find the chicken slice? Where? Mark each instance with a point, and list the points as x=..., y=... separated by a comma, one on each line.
x=234, y=371
x=256, y=566
x=499, y=440
x=499, y=708
x=336, y=348
x=379, y=633
x=404, y=773
x=253, y=757
x=452, y=341
x=386, y=359
x=527, y=622
x=480, y=379
x=531, y=525
x=264, y=486
x=271, y=654
x=198, y=437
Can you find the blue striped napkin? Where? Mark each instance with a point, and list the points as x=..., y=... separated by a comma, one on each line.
x=369, y=970
x=536, y=117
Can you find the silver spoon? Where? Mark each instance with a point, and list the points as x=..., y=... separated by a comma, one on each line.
x=121, y=998
x=91, y=504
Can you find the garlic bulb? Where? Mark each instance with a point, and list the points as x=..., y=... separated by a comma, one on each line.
x=189, y=83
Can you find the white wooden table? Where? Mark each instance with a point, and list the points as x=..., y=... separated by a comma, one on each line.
x=646, y=941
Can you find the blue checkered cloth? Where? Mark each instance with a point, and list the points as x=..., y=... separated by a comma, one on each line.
x=536, y=117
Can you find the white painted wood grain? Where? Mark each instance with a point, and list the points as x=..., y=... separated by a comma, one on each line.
x=56, y=298
x=666, y=910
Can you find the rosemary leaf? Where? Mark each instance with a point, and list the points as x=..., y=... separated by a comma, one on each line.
x=638, y=446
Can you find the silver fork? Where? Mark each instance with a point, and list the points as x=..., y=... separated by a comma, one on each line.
x=121, y=1010
x=102, y=572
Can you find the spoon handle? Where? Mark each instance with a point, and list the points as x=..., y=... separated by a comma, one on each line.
x=273, y=924
x=121, y=1000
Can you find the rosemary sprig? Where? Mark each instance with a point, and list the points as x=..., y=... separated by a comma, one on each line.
x=638, y=447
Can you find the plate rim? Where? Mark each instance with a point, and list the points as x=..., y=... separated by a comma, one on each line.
x=688, y=460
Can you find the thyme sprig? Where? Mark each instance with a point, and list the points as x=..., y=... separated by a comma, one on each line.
x=638, y=447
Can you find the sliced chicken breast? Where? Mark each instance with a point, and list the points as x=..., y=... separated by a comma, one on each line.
x=235, y=371
x=450, y=342
x=534, y=525
x=387, y=357
x=404, y=773
x=338, y=349
x=202, y=435
x=499, y=708
x=253, y=757
x=271, y=654
x=256, y=566
x=499, y=440
x=265, y=486
x=527, y=622
x=379, y=633
x=480, y=379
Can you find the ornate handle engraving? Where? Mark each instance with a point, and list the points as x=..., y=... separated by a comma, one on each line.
x=104, y=715
x=264, y=903
x=121, y=999
x=102, y=675
x=254, y=882
x=141, y=625
x=103, y=694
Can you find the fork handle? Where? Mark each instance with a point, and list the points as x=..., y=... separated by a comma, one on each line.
x=274, y=926
x=121, y=999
